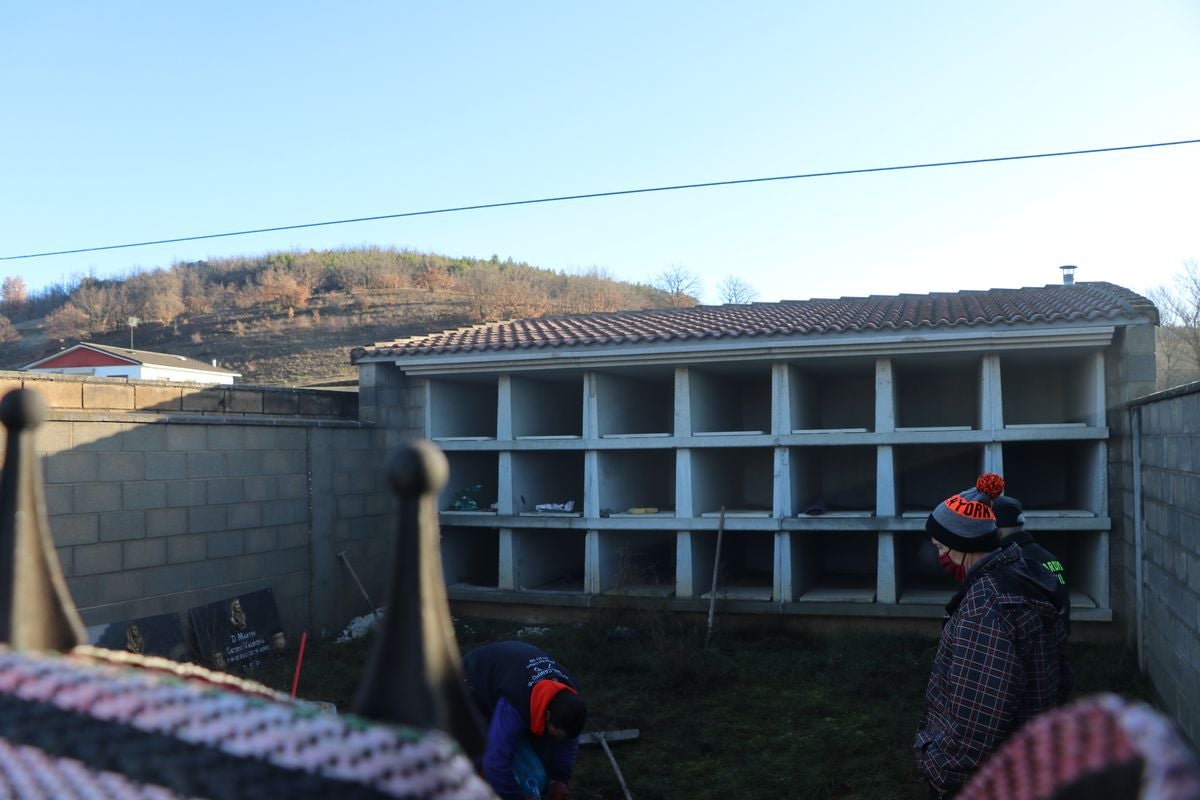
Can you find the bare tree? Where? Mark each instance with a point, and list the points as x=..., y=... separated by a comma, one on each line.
x=194, y=291
x=154, y=296
x=101, y=306
x=13, y=292
x=276, y=285
x=7, y=332
x=681, y=286
x=735, y=290
x=67, y=322
x=1178, y=335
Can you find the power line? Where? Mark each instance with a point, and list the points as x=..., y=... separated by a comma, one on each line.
x=617, y=193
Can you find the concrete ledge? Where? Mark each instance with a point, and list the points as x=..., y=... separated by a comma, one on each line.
x=92, y=394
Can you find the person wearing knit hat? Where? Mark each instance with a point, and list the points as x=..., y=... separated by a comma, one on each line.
x=1002, y=656
x=1010, y=522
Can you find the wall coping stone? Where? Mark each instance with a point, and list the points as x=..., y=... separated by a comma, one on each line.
x=254, y=404
x=183, y=418
x=1166, y=394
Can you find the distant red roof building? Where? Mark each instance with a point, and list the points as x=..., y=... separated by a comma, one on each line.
x=101, y=360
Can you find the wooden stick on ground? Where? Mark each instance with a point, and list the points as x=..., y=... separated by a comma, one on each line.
x=620, y=778
x=361, y=588
x=712, y=599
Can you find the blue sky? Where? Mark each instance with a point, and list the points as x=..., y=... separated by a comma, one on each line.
x=132, y=121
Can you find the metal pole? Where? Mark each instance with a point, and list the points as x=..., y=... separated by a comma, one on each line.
x=357, y=582
x=712, y=595
x=616, y=769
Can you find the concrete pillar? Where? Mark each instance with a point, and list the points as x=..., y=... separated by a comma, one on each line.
x=885, y=397
x=683, y=403
x=993, y=458
x=991, y=398
x=591, y=562
x=684, y=584
x=784, y=588
x=781, y=399
x=1094, y=389
x=430, y=402
x=885, y=482
x=886, y=579
x=507, y=564
x=591, y=484
x=684, y=506
x=504, y=408
x=505, y=502
x=591, y=414
x=886, y=502
x=783, y=483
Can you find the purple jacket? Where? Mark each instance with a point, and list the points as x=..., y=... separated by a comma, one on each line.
x=1001, y=660
x=501, y=677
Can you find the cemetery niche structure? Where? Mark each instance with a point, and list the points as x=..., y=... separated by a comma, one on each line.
x=826, y=430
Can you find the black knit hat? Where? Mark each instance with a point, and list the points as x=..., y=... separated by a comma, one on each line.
x=965, y=521
x=1008, y=511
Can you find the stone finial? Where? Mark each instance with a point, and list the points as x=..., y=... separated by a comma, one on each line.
x=414, y=676
x=36, y=610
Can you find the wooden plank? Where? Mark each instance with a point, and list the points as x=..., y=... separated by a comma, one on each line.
x=625, y=734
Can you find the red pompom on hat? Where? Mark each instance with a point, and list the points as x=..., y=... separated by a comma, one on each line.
x=990, y=484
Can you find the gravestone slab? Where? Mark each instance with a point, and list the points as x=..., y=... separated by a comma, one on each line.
x=159, y=635
x=239, y=634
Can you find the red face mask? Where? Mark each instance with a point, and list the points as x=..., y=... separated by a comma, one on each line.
x=956, y=571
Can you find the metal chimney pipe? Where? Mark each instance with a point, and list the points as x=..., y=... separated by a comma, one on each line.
x=1068, y=272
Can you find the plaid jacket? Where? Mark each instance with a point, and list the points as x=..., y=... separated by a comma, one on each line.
x=1001, y=660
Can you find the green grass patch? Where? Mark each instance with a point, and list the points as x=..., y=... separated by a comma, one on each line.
x=792, y=716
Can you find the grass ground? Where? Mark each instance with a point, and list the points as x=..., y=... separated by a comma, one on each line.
x=793, y=716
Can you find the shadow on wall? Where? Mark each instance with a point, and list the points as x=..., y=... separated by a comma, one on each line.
x=161, y=516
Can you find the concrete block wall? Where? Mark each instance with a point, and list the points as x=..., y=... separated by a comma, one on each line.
x=1130, y=373
x=391, y=400
x=163, y=497
x=84, y=393
x=1163, y=430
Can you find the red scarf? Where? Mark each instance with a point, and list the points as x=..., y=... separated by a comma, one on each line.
x=539, y=700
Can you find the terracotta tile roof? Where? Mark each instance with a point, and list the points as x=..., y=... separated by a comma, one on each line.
x=1079, y=302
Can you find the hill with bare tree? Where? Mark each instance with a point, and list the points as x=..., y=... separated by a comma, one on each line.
x=291, y=318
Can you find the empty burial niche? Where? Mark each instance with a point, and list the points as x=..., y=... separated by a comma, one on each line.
x=919, y=578
x=832, y=481
x=471, y=488
x=739, y=478
x=547, y=484
x=747, y=563
x=547, y=408
x=1084, y=559
x=549, y=560
x=637, y=563
x=1041, y=391
x=470, y=557
x=640, y=404
x=927, y=474
x=936, y=393
x=1057, y=479
x=834, y=567
x=838, y=397
x=636, y=483
x=730, y=400
x=463, y=410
